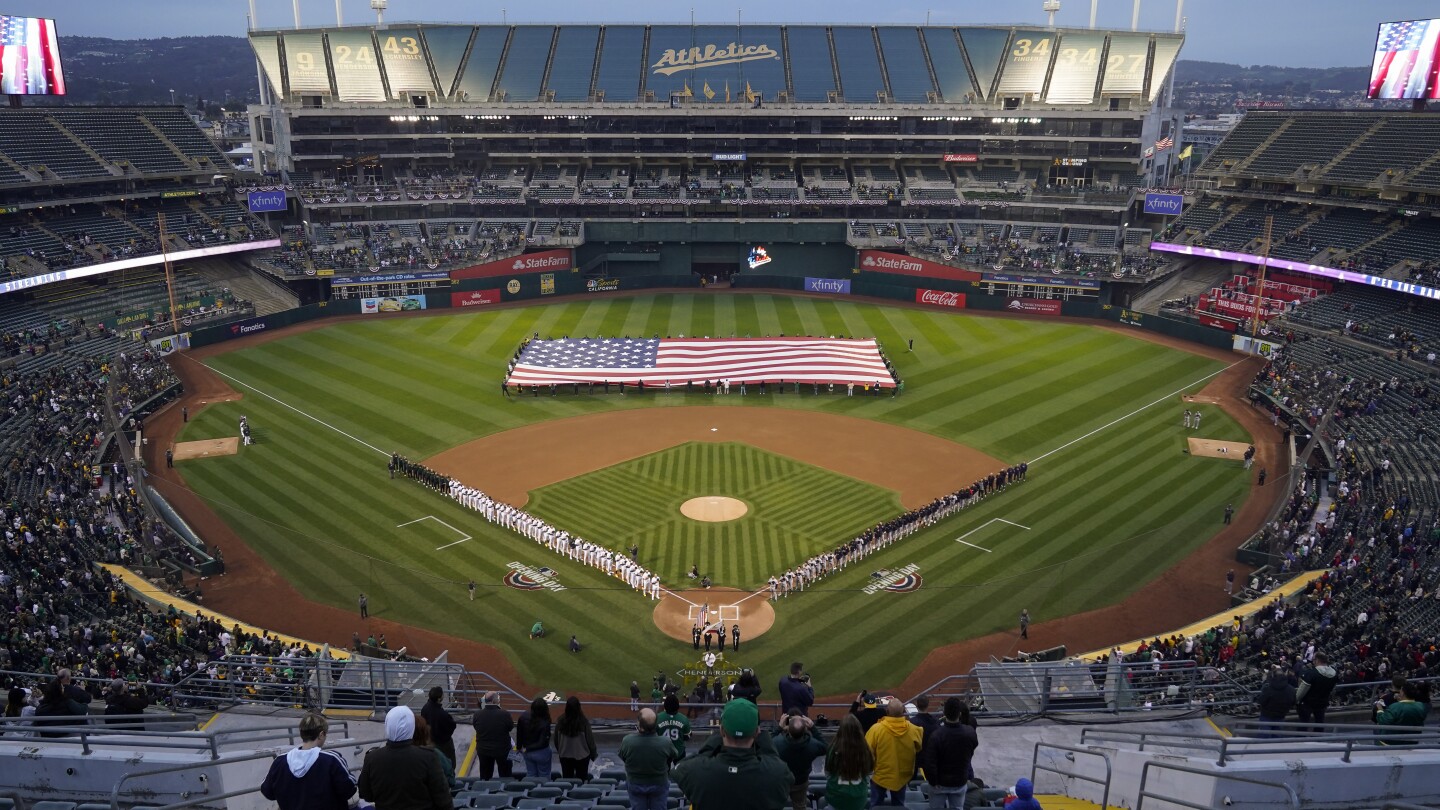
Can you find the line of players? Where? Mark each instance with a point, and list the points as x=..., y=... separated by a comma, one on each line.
x=559, y=541
x=883, y=534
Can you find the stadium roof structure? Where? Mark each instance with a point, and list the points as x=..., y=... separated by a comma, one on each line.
x=470, y=65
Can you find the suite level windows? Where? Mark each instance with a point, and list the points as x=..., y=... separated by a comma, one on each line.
x=947, y=118
x=873, y=118
x=401, y=119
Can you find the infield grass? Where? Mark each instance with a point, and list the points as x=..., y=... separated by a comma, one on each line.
x=1105, y=514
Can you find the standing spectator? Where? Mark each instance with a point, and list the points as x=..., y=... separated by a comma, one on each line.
x=309, y=777
x=1230, y=581
x=492, y=737
x=747, y=687
x=1312, y=698
x=647, y=757
x=634, y=696
x=364, y=606
x=1024, y=623
x=1276, y=699
x=946, y=758
x=848, y=766
x=867, y=710
x=442, y=725
x=673, y=725
x=796, y=693
x=737, y=775
x=119, y=700
x=56, y=703
x=422, y=741
x=532, y=737
x=1410, y=711
x=922, y=717
x=73, y=690
x=399, y=776
x=798, y=746
x=575, y=742
x=895, y=744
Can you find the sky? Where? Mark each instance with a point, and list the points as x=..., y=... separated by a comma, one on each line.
x=1290, y=33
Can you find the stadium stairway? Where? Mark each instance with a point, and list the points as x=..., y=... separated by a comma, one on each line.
x=267, y=297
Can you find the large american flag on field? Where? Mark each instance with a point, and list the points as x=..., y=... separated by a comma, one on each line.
x=656, y=361
x=29, y=57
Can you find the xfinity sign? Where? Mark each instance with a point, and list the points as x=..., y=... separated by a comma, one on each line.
x=265, y=201
x=839, y=286
x=1166, y=204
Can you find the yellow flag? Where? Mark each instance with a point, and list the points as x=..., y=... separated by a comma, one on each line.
x=1185, y=153
x=727, y=91
x=709, y=94
x=750, y=95
x=687, y=93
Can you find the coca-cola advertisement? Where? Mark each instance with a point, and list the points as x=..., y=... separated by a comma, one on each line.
x=940, y=298
x=1033, y=306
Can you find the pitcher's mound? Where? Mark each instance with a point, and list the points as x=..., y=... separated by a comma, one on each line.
x=679, y=611
x=207, y=448
x=714, y=509
x=1210, y=448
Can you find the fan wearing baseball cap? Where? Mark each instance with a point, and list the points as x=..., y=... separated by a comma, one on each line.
x=738, y=775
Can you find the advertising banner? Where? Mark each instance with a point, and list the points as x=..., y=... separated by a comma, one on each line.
x=171, y=343
x=544, y=261
x=547, y=283
x=474, y=298
x=1228, y=324
x=1034, y=306
x=838, y=286
x=940, y=298
x=1250, y=345
x=961, y=157
x=602, y=284
x=262, y=201
x=1168, y=204
x=879, y=261
x=1042, y=281
x=386, y=278
x=393, y=303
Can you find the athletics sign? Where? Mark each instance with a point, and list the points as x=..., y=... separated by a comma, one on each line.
x=674, y=61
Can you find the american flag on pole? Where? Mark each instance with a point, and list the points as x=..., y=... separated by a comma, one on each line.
x=1407, y=60
x=1164, y=143
x=656, y=361
x=29, y=57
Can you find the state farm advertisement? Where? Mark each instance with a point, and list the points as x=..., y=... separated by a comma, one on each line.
x=940, y=298
x=544, y=262
x=1034, y=306
x=474, y=298
x=879, y=261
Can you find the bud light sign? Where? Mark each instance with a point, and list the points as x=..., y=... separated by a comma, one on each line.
x=940, y=298
x=1166, y=204
x=264, y=201
x=838, y=286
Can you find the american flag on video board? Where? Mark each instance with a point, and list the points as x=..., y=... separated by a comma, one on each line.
x=29, y=57
x=631, y=360
x=1406, y=62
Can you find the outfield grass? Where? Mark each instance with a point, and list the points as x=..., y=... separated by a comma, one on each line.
x=795, y=510
x=1105, y=514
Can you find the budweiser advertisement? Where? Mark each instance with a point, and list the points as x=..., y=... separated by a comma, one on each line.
x=544, y=262
x=474, y=298
x=940, y=298
x=880, y=261
x=961, y=157
x=1034, y=306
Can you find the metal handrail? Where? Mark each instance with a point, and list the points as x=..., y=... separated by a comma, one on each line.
x=1229, y=748
x=1036, y=767
x=215, y=763
x=1145, y=775
x=98, y=734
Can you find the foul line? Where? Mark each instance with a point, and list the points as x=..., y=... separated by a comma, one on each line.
x=1114, y=422
x=678, y=596
x=753, y=595
x=296, y=410
x=961, y=538
x=463, y=535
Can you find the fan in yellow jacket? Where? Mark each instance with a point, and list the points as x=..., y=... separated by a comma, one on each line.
x=895, y=742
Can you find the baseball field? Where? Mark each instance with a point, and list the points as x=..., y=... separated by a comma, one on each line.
x=1111, y=502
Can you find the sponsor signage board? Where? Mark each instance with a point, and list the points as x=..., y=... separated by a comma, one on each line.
x=940, y=298
x=248, y=327
x=387, y=278
x=961, y=157
x=728, y=157
x=172, y=195
x=547, y=283
x=1042, y=281
x=1131, y=317
x=602, y=284
x=1034, y=306
x=838, y=286
x=474, y=298
x=880, y=261
x=392, y=303
x=547, y=261
x=1169, y=205
x=262, y=201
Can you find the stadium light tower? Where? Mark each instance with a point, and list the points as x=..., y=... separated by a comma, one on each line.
x=1135, y=17
x=379, y=6
x=1094, y=11
x=1050, y=7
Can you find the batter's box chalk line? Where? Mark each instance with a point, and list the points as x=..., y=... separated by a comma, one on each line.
x=961, y=538
x=463, y=535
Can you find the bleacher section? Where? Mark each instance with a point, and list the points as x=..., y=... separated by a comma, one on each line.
x=91, y=143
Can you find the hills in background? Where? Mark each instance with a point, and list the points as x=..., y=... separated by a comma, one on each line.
x=221, y=69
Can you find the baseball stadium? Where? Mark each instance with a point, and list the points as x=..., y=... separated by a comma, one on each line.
x=643, y=366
